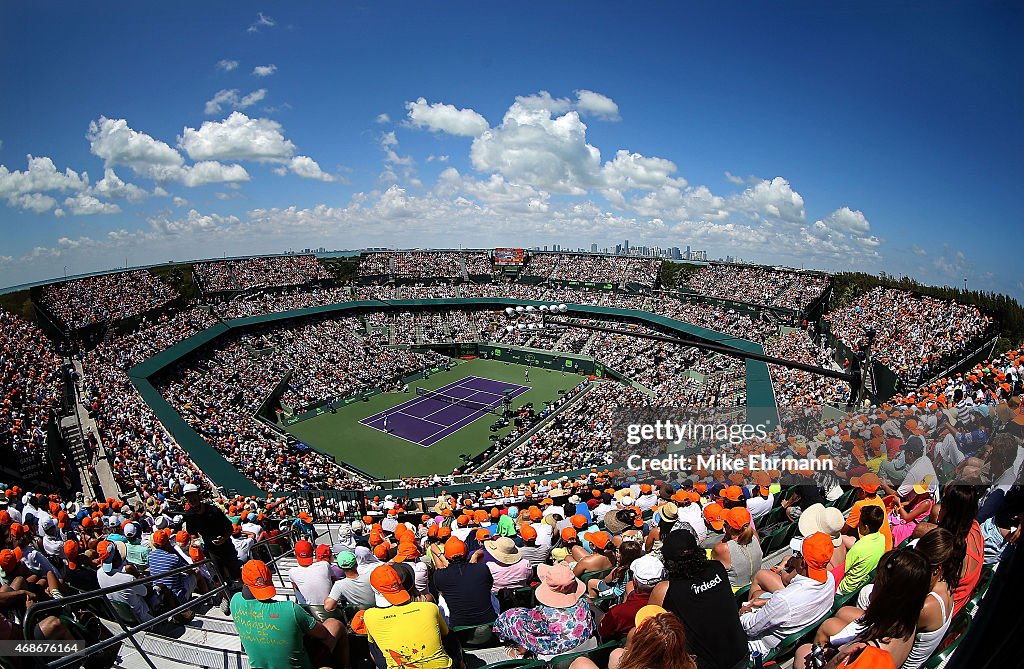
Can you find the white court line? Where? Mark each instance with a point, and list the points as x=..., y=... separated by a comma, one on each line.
x=414, y=402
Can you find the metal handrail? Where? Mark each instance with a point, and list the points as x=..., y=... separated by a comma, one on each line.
x=36, y=610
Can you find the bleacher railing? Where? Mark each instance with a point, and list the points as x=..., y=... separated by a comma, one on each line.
x=40, y=610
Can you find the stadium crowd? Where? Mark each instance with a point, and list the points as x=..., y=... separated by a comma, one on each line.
x=422, y=264
x=291, y=270
x=105, y=298
x=757, y=285
x=30, y=371
x=915, y=336
x=797, y=388
x=593, y=268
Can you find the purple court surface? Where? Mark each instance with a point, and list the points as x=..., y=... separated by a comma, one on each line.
x=426, y=420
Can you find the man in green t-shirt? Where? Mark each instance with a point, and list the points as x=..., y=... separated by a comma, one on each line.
x=283, y=635
x=863, y=556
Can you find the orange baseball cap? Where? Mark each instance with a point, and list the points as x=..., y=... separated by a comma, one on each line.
x=181, y=537
x=483, y=534
x=737, y=517
x=868, y=482
x=71, y=553
x=380, y=551
x=714, y=515
x=535, y=513
x=387, y=586
x=161, y=538
x=305, y=517
x=454, y=547
x=323, y=552
x=527, y=532
x=817, y=550
x=444, y=532
x=599, y=539
x=256, y=575
x=304, y=553
x=8, y=561
x=733, y=493
x=579, y=521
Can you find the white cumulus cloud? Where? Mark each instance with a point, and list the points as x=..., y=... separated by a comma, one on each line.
x=237, y=137
x=84, y=204
x=112, y=186
x=24, y=189
x=264, y=70
x=440, y=117
x=227, y=65
x=307, y=168
x=597, y=105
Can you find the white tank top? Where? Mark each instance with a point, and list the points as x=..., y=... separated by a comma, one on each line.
x=925, y=643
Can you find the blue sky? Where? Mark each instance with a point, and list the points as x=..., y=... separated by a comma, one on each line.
x=831, y=135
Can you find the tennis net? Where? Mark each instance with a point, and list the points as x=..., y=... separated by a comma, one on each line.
x=469, y=404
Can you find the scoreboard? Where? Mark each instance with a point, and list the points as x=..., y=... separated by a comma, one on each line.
x=509, y=256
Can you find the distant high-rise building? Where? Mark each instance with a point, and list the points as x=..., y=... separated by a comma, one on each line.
x=556, y=247
x=545, y=247
x=593, y=248
x=688, y=253
x=625, y=247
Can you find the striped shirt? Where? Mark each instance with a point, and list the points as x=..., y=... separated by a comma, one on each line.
x=162, y=561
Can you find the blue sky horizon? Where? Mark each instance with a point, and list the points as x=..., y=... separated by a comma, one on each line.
x=874, y=137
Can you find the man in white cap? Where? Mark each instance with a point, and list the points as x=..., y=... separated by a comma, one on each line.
x=648, y=571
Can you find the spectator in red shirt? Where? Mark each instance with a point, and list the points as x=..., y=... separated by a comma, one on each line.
x=648, y=571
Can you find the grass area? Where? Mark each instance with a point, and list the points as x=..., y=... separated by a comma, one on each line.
x=386, y=456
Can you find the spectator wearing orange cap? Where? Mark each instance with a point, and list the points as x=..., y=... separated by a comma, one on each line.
x=739, y=551
x=163, y=558
x=278, y=633
x=869, y=485
x=465, y=585
x=311, y=579
x=598, y=554
x=614, y=582
x=892, y=621
x=403, y=631
x=808, y=593
x=115, y=570
x=81, y=571
x=531, y=551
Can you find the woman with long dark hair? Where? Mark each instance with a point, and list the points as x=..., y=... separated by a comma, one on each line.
x=957, y=514
x=698, y=592
x=659, y=641
x=890, y=621
x=616, y=580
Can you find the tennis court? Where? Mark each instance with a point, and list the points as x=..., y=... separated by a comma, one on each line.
x=431, y=417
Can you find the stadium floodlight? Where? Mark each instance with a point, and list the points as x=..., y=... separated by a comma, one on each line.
x=520, y=309
x=563, y=308
x=509, y=310
x=531, y=308
x=543, y=307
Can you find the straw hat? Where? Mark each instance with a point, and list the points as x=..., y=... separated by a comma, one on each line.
x=504, y=550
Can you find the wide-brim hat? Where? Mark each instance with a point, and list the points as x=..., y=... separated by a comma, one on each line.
x=559, y=587
x=504, y=550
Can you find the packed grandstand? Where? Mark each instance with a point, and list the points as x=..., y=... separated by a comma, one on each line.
x=186, y=460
